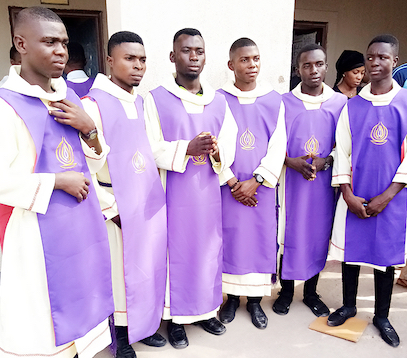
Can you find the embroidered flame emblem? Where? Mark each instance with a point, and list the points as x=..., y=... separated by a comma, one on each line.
x=199, y=159
x=139, y=164
x=247, y=140
x=64, y=154
x=379, y=134
x=311, y=146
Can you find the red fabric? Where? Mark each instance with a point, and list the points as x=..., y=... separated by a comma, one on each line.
x=5, y=213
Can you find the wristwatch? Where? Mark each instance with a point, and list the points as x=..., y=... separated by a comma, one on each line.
x=258, y=178
x=91, y=135
x=326, y=165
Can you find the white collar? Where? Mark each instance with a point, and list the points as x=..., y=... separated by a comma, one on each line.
x=386, y=97
x=17, y=84
x=104, y=83
x=260, y=90
x=327, y=93
x=208, y=92
x=76, y=75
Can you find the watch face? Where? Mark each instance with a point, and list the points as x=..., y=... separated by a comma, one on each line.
x=93, y=136
x=259, y=178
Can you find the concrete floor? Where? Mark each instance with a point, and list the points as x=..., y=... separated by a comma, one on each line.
x=288, y=336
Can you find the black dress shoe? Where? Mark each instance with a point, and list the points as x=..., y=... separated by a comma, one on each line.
x=177, y=336
x=317, y=307
x=124, y=349
x=341, y=315
x=282, y=304
x=259, y=318
x=228, y=310
x=387, y=331
x=213, y=326
x=156, y=340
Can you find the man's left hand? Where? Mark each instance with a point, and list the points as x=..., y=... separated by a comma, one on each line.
x=246, y=190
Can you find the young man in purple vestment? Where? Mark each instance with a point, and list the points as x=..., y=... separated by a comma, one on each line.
x=307, y=199
x=56, y=293
x=371, y=170
x=76, y=78
x=248, y=200
x=192, y=133
x=131, y=197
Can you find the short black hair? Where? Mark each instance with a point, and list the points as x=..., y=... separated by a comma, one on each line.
x=36, y=13
x=308, y=48
x=388, y=39
x=76, y=54
x=122, y=37
x=242, y=42
x=187, y=31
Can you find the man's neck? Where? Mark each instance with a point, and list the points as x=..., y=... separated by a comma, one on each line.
x=191, y=85
x=245, y=86
x=122, y=85
x=312, y=91
x=382, y=87
x=33, y=79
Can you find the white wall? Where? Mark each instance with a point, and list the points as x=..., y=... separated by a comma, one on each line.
x=5, y=38
x=268, y=22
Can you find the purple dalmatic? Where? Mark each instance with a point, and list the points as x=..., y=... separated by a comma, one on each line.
x=81, y=89
x=194, y=210
x=377, y=139
x=74, y=236
x=309, y=205
x=249, y=234
x=141, y=202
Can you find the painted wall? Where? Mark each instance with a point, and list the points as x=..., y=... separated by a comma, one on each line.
x=352, y=24
x=267, y=22
x=5, y=38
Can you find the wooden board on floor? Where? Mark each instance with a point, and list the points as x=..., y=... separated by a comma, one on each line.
x=351, y=330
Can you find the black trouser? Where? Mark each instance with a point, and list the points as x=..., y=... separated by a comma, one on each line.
x=310, y=287
x=249, y=299
x=383, y=285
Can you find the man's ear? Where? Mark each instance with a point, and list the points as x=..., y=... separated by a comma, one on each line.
x=230, y=65
x=395, y=60
x=109, y=61
x=172, y=56
x=20, y=44
x=297, y=72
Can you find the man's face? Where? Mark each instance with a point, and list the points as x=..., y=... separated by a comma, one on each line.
x=44, y=48
x=245, y=63
x=127, y=63
x=380, y=61
x=312, y=68
x=189, y=56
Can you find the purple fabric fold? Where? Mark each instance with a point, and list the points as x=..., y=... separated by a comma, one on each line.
x=81, y=89
x=309, y=205
x=141, y=202
x=249, y=234
x=74, y=235
x=377, y=133
x=194, y=210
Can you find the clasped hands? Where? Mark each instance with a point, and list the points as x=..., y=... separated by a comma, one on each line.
x=244, y=192
x=307, y=170
x=204, y=143
x=363, y=208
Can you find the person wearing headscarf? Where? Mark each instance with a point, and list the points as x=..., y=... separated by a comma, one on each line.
x=350, y=69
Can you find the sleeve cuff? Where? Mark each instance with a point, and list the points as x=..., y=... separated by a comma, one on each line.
x=270, y=180
x=181, y=158
x=42, y=196
x=400, y=178
x=337, y=180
